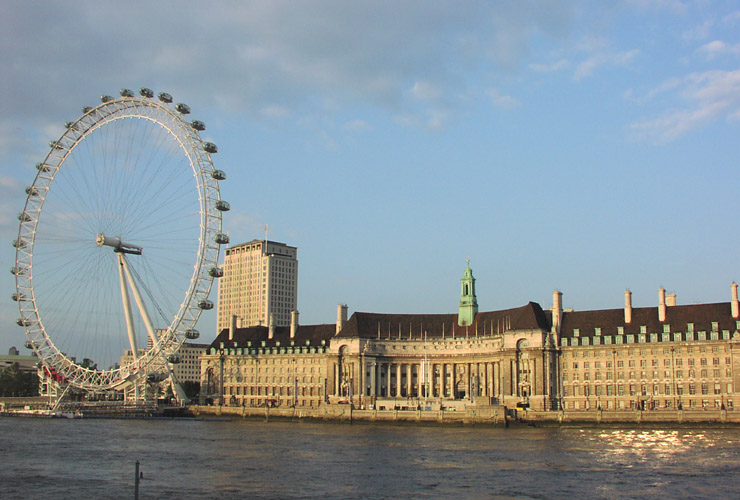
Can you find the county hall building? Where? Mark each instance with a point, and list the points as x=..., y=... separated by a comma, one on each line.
x=650, y=358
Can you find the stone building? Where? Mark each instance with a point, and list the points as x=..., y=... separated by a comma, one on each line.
x=664, y=357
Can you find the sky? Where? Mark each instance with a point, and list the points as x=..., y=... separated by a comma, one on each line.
x=588, y=147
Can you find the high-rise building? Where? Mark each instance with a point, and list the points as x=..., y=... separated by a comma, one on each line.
x=260, y=280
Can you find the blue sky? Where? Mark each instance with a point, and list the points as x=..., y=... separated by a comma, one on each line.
x=559, y=145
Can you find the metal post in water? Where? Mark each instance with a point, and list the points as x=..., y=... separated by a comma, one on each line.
x=136, y=482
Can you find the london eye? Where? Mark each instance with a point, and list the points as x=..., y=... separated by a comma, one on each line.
x=118, y=242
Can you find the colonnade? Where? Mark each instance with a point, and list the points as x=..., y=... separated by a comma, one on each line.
x=451, y=380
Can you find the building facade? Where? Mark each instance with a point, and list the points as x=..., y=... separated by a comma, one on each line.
x=650, y=358
x=259, y=282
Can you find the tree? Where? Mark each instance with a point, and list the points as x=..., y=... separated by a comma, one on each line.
x=192, y=389
x=16, y=383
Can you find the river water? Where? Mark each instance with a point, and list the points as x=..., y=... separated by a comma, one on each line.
x=95, y=459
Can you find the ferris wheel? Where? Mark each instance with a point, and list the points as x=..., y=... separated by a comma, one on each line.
x=126, y=203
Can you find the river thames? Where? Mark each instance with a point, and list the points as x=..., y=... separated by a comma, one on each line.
x=91, y=458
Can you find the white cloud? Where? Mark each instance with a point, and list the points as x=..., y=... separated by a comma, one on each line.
x=503, y=101
x=549, y=68
x=718, y=48
x=426, y=91
x=246, y=56
x=705, y=97
x=732, y=18
x=357, y=126
x=275, y=111
x=699, y=32
x=604, y=59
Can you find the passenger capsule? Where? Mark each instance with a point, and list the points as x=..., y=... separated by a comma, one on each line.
x=19, y=243
x=221, y=238
x=155, y=378
x=173, y=359
x=198, y=125
x=18, y=297
x=210, y=147
x=70, y=125
x=192, y=333
x=205, y=305
x=222, y=205
x=55, y=145
x=18, y=271
x=42, y=167
x=24, y=217
x=219, y=175
x=182, y=108
x=216, y=272
x=164, y=97
x=32, y=191
x=23, y=322
x=28, y=344
x=145, y=92
x=126, y=93
x=105, y=98
x=86, y=109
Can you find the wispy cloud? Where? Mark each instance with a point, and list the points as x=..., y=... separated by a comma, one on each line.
x=292, y=54
x=604, y=59
x=704, y=97
x=552, y=67
x=503, y=101
x=718, y=48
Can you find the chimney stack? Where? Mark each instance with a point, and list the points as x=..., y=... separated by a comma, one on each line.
x=557, y=310
x=735, y=304
x=670, y=300
x=627, y=307
x=271, y=326
x=232, y=327
x=341, y=316
x=293, y=323
x=661, y=305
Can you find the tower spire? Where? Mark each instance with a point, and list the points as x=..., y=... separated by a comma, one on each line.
x=468, y=301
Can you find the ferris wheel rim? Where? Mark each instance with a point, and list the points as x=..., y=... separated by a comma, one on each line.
x=201, y=281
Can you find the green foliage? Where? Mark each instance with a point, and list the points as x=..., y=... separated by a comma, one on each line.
x=15, y=383
x=192, y=389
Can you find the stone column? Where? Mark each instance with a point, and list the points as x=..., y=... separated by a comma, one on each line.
x=419, y=380
x=372, y=380
x=398, y=380
x=432, y=380
x=409, y=379
x=337, y=380
x=451, y=381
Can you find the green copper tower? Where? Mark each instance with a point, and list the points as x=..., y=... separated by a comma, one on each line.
x=468, y=301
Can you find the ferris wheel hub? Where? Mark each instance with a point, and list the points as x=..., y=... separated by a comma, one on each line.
x=118, y=245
